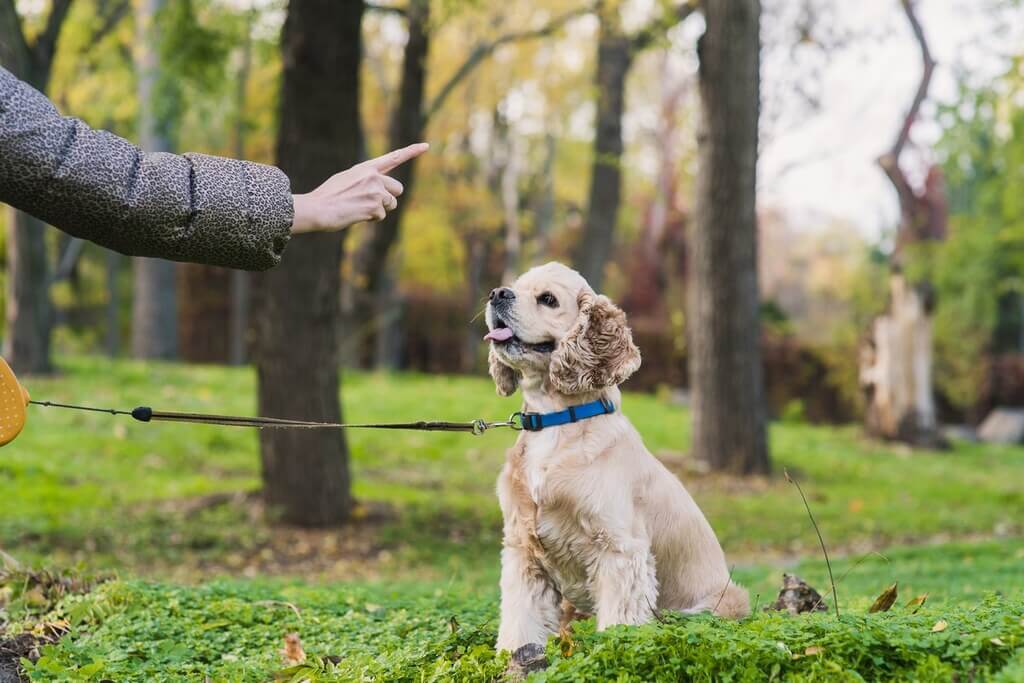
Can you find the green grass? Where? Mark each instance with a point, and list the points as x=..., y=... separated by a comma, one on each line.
x=233, y=630
x=171, y=508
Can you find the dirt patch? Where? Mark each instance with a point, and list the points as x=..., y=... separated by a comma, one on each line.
x=698, y=478
x=26, y=646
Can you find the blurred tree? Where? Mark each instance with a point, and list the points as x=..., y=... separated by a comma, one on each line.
x=29, y=311
x=297, y=307
x=616, y=51
x=896, y=371
x=724, y=332
x=154, y=291
x=373, y=284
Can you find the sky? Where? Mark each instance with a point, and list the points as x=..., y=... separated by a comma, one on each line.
x=824, y=162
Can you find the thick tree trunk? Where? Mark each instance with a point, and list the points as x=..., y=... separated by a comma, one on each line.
x=614, y=58
x=725, y=359
x=204, y=313
x=154, y=293
x=296, y=316
x=29, y=312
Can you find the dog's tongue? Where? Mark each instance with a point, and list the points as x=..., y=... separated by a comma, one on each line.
x=499, y=334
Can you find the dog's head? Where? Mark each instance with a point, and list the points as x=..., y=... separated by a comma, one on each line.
x=551, y=325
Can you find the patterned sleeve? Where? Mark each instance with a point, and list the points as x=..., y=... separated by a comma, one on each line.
x=98, y=186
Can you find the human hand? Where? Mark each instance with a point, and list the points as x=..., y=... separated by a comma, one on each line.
x=362, y=193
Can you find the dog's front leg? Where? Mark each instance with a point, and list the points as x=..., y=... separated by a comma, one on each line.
x=530, y=603
x=624, y=583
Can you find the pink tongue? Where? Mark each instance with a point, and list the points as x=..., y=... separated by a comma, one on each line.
x=499, y=334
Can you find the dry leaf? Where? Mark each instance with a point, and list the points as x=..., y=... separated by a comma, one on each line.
x=813, y=650
x=940, y=625
x=885, y=601
x=997, y=641
x=918, y=602
x=856, y=505
x=293, y=652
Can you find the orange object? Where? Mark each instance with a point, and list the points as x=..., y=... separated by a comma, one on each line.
x=13, y=401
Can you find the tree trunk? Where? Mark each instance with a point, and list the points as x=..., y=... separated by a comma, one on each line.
x=113, y=304
x=297, y=314
x=372, y=294
x=614, y=58
x=154, y=295
x=896, y=362
x=725, y=359
x=241, y=284
x=896, y=372
x=29, y=312
x=204, y=313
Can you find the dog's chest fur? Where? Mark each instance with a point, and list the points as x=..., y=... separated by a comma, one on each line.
x=567, y=541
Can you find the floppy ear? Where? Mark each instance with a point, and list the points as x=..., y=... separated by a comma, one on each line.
x=597, y=352
x=505, y=378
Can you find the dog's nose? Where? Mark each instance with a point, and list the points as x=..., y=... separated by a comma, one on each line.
x=502, y=294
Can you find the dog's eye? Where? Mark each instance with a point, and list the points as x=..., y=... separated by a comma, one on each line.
x=547, y=299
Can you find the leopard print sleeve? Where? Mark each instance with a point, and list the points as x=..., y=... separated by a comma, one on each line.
x=100, y=187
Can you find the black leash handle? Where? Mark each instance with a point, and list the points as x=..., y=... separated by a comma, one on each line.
x=147, y=414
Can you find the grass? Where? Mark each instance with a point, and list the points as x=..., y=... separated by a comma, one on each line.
x=172, y=509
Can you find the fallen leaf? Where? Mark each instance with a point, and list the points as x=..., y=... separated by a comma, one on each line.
x=856, y=505
x=940, y=625
x=885, y=601
x=997, y=641
x=453, y=624
x=918, y=602
x=813, y=650
x=293, y=652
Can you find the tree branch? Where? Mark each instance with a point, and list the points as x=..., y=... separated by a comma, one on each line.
x=68, y=260
x=45, y=45
x=111, y=17
x=922, y=88
x=484, y=50
x=645, y=37
x=14, y=50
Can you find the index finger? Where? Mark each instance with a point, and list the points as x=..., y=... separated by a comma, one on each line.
x=398, y=157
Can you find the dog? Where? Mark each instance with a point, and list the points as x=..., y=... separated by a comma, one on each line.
x=592, y=520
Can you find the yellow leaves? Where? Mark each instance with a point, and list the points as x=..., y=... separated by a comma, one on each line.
x=292, y=651
x=917, y=603
x=940, y=626
x=885, y=601
x=856, y=505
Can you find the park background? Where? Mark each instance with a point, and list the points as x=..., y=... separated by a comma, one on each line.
x=867, y=336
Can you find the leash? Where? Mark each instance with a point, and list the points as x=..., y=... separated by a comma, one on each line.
x=147, y=414
x=14, y=399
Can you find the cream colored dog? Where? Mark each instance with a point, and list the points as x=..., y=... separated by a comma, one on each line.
x=592, y=521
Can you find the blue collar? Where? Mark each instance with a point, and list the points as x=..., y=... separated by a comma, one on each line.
x=534, y=422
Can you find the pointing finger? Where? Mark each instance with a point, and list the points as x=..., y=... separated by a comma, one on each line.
x=391, y=160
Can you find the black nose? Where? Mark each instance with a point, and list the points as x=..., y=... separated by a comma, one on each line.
x=502, y=294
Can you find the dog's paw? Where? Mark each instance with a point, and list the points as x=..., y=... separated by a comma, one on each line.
x=525, y=661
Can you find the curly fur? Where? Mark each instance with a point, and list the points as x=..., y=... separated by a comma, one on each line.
x=598, y=352
x=506, y=380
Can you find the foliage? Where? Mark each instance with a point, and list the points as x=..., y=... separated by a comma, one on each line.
x=982, y=261
x=233, y=630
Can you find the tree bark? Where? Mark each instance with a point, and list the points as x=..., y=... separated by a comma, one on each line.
x=297, y=314
x=29, y=310
x=241, y=284
x=154, y=291
x=614, y=58
x=725, y=359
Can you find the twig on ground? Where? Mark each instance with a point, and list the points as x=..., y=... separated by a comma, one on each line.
x=728, y=582
x=824, y=550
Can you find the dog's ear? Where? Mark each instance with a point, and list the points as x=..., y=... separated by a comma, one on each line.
x=505, y=378
x=597, y=352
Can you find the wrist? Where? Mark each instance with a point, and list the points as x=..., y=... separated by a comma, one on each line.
x=305, y=217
